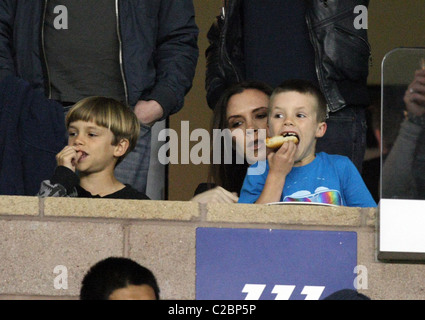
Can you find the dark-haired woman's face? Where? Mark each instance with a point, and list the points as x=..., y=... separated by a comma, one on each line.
x=247, y=113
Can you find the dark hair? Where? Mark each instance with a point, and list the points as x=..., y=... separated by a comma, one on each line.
x=231, y=176
x=304, y=87
x=347, y=294
x=115, y=273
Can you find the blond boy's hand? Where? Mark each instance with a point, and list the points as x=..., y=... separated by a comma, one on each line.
x=282, y=161
x=68, y=157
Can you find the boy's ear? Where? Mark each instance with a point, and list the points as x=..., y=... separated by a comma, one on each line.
x=121, y=148
x=321, y=129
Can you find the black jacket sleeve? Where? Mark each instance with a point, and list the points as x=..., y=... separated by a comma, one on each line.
x=225, y=61
x=62, y=184
x=176, y=54
x=215, y=77
x=7, y=16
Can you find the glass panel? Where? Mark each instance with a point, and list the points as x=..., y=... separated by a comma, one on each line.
x=403, y=135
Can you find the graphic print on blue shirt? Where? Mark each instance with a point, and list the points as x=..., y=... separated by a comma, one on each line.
x=320, y=195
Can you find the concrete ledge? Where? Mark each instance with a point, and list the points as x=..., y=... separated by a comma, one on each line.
x=39, y=234
x=31, y=250
x=290, y=214
x=120, y=209
x=19, y=205
x=388, y=281
x=170, y=251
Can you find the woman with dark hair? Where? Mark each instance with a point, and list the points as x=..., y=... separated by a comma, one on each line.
x=242, y=111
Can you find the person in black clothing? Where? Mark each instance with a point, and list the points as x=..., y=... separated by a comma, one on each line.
x=102, y=131
x=119, y=278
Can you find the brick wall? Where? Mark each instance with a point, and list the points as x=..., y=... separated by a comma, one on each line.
x=37, y=235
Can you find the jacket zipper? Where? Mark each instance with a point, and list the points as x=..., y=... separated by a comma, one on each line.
x=121, y=51
x=49, y=89
x=223, y=10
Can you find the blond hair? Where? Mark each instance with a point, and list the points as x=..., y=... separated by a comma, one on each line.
x=108, y=113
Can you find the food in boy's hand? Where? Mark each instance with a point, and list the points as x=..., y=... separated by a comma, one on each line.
x=278, y=141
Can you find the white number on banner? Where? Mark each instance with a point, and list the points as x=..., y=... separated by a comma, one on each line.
x=253, y=291
x=282, y=292
x=312, y=292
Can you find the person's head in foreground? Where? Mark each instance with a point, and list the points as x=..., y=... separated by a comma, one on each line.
x=118, y=278
x=347, y=294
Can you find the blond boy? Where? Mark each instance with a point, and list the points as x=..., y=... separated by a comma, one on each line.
x=101, y=132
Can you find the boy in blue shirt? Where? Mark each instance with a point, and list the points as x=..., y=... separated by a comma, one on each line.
x=294, y=172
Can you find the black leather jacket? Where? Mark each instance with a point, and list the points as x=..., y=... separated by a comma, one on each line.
x=342, y=52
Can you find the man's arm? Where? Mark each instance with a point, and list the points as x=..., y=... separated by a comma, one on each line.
x=225, y=65
x=7, y=16
x=176, y=56
x=215, y=82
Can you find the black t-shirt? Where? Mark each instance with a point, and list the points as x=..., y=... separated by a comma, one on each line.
x=127, y=192
x=277, y=44
x=70, y=180
x=83, y=60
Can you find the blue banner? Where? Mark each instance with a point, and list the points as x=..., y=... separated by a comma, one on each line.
x=266, y=264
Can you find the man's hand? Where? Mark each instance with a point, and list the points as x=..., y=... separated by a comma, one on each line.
x=148, y=112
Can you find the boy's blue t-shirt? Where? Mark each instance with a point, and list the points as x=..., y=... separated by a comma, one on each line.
x=330, y=179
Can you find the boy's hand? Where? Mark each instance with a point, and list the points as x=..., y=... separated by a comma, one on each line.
x=148, y=112
x=68, y=157
x=282, y=161
x=280, y=164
